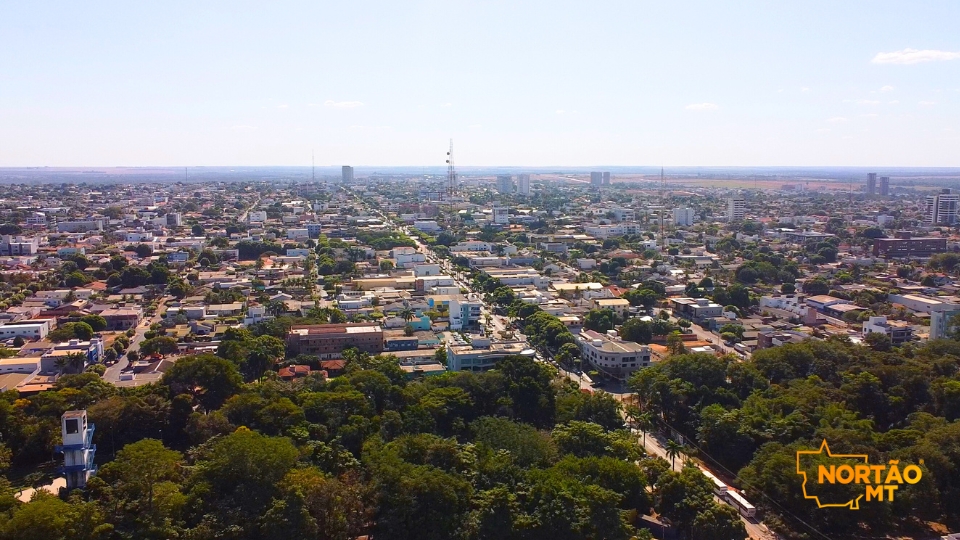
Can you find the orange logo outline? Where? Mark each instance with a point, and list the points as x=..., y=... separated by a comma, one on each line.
x=853, y=504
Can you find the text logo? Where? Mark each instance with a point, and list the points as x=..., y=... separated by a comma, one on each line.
x=844, y=480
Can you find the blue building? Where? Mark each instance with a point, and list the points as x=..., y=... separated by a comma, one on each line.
x=77, y=449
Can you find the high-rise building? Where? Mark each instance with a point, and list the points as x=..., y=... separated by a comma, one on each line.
x=736, y=208
x=596, y=179
x=871, y=183
x=504, y=184
x=606, y=178
x=884, y=186
x=941, y=209
x=346, y=176
x=174, y=219
x=683, y=216
x=523, y=184
x=501, y=215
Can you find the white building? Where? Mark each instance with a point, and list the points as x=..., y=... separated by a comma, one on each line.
x=19, y=245
x=482, y=353
x=463, y=313
x=683, y=217
x=609, y=355
x=29, y=329
x=257, y=216
x=607, y=231
x=501, y=215
x=471, y=245
x=941, y=209
x=298, y=234
x=426, y=226
x=523, y=184
x=174, y=219
x=736, y=208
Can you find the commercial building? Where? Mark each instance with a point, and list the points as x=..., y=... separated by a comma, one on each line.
x=941, y=209
x=736, y=208
x=884, y=186
x=28, y=329
x=523, y=184
x=871, y=184
x=122, y=318
x=504, y=184
x=346, y=175
x=330, y=340
x=611, y=356
x=464, y=313
x=501, y=215
x=904, y=245
x=695, y=308
x=483, y=354
x=898, y=332
x=941, y=320
x=426, y=226
x=683, y=217
x=80, y=226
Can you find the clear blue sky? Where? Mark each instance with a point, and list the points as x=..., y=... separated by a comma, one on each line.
x=512, y=82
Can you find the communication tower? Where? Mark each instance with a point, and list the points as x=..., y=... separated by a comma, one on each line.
x=451, y=173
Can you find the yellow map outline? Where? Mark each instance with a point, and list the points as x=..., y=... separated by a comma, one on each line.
x=852, y=504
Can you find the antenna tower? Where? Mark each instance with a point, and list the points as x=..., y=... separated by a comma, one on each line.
x=313, y=168
x=451, y=173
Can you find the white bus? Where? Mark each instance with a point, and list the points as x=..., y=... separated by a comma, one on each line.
x=719, y=488
x=742, y=505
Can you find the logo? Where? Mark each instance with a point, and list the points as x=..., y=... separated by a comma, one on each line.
x=844, y=480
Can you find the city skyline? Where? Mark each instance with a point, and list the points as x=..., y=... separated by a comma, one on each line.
x=550, y=84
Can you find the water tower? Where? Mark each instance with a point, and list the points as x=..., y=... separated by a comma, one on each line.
x=77, y=449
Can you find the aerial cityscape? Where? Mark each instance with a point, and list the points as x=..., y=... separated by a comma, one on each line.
x=479, y=271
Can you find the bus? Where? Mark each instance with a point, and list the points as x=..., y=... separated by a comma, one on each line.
x=719, y=488
x=742, y=505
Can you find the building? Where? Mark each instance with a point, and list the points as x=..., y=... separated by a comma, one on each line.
x=80, y=226
x=122, y=318
x=523, y=184
x=606, y=178
x=504, y=184
x=596, y=179
x=941, y=209
x=611, y=356
x=330, y=340
x=464, y=313
x=27, y=329
x=736, y=208
x=683, y=217
x=898, y=332
x=426, y=226
x=174, y=219
x=77, y=449
x=871, y=184
x=620, y=306
x=18, y=245
x=313, y=229
x=941, y=320
x=482, y=353
x=346, y=175
x=884, y=186
x=501, y=215
x=904, y=245
x=256, y=216
x=695, y=308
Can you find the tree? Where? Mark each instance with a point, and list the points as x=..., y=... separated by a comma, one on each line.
x=159, y=345
x=673, y=449
x=96, y=322
x=816, y=286
x=718, y=522
x=636, y=330
x=143, y=250
x=675, y=343
x=599, y=320
x=197, y=230
x=137, y=471
x=788, y=288
x=209, y=379
x=878, y=341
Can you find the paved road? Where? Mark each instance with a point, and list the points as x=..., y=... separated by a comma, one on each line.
x=112, y=374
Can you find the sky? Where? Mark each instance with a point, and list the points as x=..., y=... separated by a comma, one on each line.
x=519, y=83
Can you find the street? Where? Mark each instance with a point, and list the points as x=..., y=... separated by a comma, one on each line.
x=112, y=374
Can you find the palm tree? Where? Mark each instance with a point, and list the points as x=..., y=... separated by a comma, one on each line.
x=645, y=422
x=673, y=449
x=406, y=314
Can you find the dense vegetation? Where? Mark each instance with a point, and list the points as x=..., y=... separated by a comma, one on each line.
x=512, y=453
x=751, y=417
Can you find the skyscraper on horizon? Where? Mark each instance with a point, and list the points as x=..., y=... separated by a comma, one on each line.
x=346, y=175
x=504, y=184
x=596, y=179
x=523, y=184
x=736, y=208
x=606, y=178
x=871, y=184
x=884, y=186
